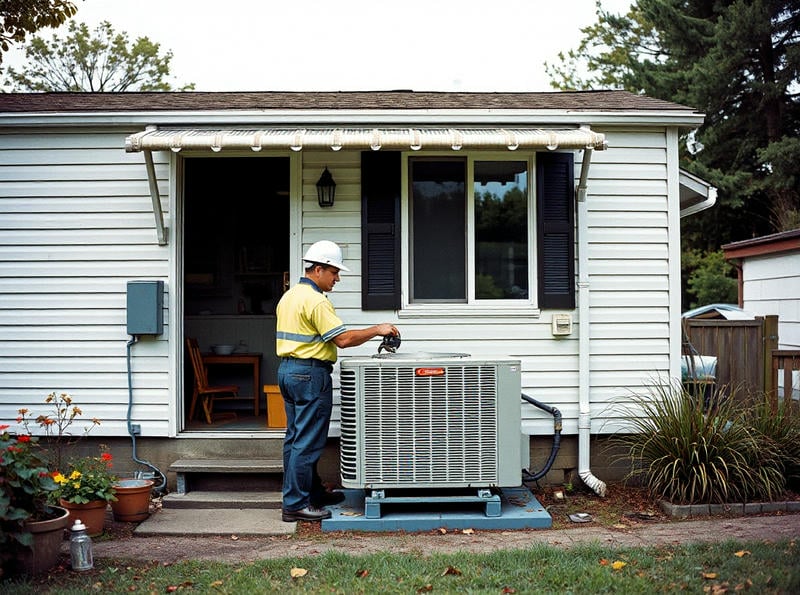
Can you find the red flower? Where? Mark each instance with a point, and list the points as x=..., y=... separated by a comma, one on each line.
x=24, y=438
x=4, y=427
x=106, y=456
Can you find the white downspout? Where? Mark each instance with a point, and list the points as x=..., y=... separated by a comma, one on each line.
x=584, y=376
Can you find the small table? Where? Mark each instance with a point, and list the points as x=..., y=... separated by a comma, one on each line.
x=240, y=359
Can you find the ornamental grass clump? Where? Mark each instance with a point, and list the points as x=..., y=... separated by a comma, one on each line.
x=778, y=423
x=689, y=453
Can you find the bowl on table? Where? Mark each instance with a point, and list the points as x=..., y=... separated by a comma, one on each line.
x=223, y=349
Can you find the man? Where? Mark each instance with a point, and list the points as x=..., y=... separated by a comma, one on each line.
x=308, y=335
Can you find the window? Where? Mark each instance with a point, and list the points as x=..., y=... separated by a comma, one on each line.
x=471, y=230
x=461, y=222
x=501, y=229
x=438, y=216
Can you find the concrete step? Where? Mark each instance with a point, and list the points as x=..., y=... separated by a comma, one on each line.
x=202, y=499
x=208, y=522
x=227, y=466
x=227, y=474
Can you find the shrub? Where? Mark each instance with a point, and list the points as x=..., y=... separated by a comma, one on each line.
x=779, y=425
x=689, y=454
x=25, y=485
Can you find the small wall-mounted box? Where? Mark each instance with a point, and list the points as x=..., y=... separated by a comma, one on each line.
x=562, y=324
x=145, y=307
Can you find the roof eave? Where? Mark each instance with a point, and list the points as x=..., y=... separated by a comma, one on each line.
x=679, y=118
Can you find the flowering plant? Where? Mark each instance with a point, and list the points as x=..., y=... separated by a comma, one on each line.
x=87, y=479
x=25, y=484
x=56, y=424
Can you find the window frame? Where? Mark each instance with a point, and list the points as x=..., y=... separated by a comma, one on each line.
x=472, y=306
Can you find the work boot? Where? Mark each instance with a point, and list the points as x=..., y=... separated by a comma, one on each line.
x=309, y=513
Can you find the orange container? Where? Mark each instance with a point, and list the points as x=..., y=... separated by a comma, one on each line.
x=276, y=414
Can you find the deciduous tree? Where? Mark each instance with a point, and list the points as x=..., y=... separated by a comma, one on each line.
x=104, y=61
x=20, y=17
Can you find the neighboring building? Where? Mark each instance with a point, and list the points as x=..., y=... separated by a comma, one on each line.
x=542, y=226
x=769, y=280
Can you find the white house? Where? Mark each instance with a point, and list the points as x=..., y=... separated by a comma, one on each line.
x=474, y=221
x=769, y=280
x=769, y=284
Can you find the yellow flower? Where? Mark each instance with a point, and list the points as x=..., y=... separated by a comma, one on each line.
x=75, y=474
x=76, y=485
x=59, y=478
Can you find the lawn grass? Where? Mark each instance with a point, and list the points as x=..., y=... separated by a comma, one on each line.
x=758, y=567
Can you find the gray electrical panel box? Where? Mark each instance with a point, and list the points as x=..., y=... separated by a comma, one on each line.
x=145, y=307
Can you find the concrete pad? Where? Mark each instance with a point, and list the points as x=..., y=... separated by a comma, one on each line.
x=210, y=521
x=519, y=510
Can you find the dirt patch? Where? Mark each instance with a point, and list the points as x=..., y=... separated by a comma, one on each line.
x=627, y=516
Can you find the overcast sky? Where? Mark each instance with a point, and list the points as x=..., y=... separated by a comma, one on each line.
x=348, y=45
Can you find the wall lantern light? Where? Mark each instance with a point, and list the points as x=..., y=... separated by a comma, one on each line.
x=326, y=189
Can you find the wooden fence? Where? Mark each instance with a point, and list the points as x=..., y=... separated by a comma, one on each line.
x=743, y=349
x=785, y=371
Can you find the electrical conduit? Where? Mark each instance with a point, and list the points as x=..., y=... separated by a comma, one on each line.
x=527, y=475
x=163, y=485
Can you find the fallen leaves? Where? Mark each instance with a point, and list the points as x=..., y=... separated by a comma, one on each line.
x=742, y=553
x=298, y=572
x=451, y=570
x=616, y=564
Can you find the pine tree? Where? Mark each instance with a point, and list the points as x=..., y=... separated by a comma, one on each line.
x=738, y=62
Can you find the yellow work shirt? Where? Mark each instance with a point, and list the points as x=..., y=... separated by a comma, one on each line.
x=307, y=323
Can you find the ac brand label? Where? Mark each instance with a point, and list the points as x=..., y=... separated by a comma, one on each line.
x=428, y=371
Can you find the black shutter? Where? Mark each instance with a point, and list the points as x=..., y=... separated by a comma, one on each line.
x=555, y=199
x=380, y=230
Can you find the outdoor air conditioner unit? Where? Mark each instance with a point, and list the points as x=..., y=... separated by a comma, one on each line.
x=430, y=421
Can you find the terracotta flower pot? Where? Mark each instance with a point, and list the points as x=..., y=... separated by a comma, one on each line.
x=47, y=538
x=133, y=500
x=92, y=514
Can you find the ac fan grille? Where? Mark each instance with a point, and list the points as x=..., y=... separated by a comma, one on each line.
x=417, y=430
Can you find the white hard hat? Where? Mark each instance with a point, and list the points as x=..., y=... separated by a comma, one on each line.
x=325, y=252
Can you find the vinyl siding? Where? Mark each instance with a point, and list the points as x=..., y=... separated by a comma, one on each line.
x=629, y=282
x=772, y=286
x=76, y=224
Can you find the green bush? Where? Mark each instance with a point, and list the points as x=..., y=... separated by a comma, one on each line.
x=688, y=453
x=779, y=425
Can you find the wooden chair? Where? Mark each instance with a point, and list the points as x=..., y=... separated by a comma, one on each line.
x=208, y=395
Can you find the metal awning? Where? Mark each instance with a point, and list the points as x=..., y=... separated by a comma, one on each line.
x=361, y=139
x=357, y=139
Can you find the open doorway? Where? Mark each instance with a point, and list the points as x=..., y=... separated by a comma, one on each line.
x=235, y=269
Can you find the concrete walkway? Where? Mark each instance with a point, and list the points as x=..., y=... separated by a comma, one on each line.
x=231, y=547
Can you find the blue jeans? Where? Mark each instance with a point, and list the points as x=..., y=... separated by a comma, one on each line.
x=308, y=397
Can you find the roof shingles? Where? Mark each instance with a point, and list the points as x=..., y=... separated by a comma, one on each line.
x=344, y=100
